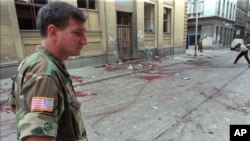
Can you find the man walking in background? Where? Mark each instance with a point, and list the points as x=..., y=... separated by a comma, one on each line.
x=243, y=51
x=200, y=45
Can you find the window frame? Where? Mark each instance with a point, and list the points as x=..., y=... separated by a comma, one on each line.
x=32, y=7
x=149, y=19
x=167, y=21
x=87, y=4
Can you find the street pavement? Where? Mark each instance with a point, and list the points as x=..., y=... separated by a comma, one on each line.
x=175, y=98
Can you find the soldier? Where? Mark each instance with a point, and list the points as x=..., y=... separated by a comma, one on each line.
x=44, y=101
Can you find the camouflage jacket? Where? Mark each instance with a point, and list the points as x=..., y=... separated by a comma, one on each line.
x=45, y=101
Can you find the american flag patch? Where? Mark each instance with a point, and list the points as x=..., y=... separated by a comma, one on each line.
x=40, y=104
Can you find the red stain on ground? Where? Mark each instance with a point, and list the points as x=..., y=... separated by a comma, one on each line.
x=111, y=68
x=151, y=75
x=82, y=93
x=110, y=112
x=5, y=108
x=151, y=78
x=76, y=78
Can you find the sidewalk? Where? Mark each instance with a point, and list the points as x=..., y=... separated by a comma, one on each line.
x=88, y=75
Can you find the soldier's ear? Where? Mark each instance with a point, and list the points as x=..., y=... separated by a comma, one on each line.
x=52, y=31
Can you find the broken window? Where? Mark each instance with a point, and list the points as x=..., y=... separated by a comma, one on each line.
x=167, y=20
x=148, y=17
x=27, y=12
x=88, y=4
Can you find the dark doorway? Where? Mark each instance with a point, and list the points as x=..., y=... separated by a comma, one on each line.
x=124, y=35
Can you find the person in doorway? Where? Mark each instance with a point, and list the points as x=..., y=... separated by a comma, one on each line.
x=200, y=45
x=243, y=51
x=44, y=100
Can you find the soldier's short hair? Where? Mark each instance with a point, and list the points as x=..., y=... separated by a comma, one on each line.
x=58, y=14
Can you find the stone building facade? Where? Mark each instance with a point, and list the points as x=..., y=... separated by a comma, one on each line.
x=115, y=29
x=215, y=22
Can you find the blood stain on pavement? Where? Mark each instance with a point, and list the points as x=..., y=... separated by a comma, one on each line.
x=151, y=75
x=76, y=78
x=83, y=93
x=5, y=108
x=111, y=68
x=151, y=78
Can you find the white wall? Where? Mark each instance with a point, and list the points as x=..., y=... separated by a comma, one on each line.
x=210, y=7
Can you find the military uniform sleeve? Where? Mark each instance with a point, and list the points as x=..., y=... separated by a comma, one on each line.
x=41, y=105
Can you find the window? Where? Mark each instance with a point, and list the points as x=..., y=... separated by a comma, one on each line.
x=227, y=9
x=218, y=11
x=123, y=18
x=88, y=4
x=223, y=8
x=167, y=20
x=148, y=17
x=90, y=10
x=230, y=11
x=216, y=39
x=220, y=35
x=195, y=7
x=27, y=12
x=190, y=7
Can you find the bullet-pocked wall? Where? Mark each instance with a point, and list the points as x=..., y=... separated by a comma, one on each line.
x=141, y=24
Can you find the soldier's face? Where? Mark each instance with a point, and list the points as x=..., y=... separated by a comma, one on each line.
x=71, y=40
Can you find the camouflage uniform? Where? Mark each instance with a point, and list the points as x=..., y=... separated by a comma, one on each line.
x=41, y=75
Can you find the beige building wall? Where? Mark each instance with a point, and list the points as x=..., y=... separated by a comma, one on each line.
x=168, y=38
x=102, y=30
x=139, y=7
x=169, y=43
x=110, y=17
x=17, y=44
x=179, y=23
x=159, y=24
x=10, y=41
x=150, y=38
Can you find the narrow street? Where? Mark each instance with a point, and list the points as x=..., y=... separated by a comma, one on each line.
x=195, y=100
